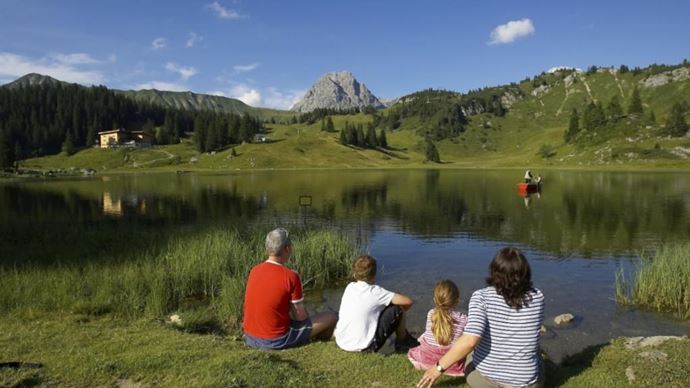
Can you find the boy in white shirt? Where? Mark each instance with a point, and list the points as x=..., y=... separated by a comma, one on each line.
x=369, y=314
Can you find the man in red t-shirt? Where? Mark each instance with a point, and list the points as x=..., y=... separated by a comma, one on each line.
x=274, y=312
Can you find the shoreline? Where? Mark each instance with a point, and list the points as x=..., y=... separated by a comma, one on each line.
x=216, y=171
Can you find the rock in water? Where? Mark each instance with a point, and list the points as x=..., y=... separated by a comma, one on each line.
x=338, y=90
x=563, y=318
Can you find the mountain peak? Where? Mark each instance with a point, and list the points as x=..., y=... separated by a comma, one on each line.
x=337, y=90
x=32, y=79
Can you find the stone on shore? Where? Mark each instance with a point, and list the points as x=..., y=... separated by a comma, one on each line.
x=641, y=342
x=563, y=319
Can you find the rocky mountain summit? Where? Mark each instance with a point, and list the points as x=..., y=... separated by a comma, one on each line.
x=337, y=90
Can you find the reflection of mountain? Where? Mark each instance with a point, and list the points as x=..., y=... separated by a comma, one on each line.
x=577, y=213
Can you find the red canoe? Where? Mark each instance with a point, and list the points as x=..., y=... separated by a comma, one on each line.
x=528, y=187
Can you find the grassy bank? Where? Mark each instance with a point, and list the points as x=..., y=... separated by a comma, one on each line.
x=108, y=351
x=144, y=273
x=662, y=282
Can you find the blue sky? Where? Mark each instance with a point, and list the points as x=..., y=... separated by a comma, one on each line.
x=268, y=53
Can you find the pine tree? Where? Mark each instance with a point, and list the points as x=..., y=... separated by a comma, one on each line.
x=383, y=141
x=615, y=111
x=371, y=139
x=635, y=106
x=329, y=125
x=676, y=124
x=361, y=140
x=343, y=136
x=6, y=157
x=68, y=144
x=430, y=152
x=573, y=126
x=593, y=116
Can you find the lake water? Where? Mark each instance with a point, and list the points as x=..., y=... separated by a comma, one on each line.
x=422, y=225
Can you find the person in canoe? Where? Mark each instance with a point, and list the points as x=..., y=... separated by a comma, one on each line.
x=528, y=177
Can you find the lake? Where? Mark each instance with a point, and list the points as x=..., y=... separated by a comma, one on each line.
x=422, y=226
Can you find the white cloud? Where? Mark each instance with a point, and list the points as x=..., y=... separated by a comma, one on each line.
x=559, y=68
x=193, y=39
x=112, y=58
x=268, y=97
x=245, y=68
x=246, y=94
x=514, y=29
x=162, y=85
x=159, y=43
x=217, y=93
x=222, y=12
x=13, y=65
x=282, y=99
x=76, y=59
x=185, y=72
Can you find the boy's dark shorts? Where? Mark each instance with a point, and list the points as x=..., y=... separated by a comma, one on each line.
x=388, y=322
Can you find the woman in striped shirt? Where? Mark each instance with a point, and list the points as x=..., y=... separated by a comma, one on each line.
x=444, y=325
x=503, y=329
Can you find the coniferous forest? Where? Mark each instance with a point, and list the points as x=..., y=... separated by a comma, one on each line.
x=46, y=119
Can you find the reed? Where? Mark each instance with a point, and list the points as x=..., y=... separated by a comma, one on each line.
x=201, y=271
x=661, y=282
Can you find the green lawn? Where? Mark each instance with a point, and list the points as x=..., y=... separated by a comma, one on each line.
x=79, y=350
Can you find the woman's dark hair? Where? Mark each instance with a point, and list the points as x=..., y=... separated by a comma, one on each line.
x=510, y=274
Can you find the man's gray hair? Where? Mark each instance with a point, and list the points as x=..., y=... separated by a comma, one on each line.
x=276, y=241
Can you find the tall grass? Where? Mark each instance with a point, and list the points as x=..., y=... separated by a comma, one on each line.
x=205, y=270
x=661, y=282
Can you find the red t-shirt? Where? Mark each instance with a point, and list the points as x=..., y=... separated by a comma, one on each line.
x=271, y=288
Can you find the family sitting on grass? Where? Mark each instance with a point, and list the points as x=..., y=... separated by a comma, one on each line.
x=495, y=345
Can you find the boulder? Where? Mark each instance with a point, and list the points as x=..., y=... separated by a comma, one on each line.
x=642, y=342
x=563, y=319
x=654, y=355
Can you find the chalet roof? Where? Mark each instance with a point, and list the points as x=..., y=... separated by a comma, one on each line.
x=112, y=131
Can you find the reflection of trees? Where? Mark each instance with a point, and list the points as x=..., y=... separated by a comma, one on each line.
x=577, y=213
x=21, y=204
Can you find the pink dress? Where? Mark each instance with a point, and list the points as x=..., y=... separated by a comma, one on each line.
x=429, y=351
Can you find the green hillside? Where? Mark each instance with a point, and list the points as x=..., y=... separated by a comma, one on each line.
x=521, y=124
x=197, y=102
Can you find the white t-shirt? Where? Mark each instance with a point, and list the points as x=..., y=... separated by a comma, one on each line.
x=360, y=308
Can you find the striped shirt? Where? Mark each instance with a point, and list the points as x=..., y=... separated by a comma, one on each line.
x=508, y=352
x=459, y=322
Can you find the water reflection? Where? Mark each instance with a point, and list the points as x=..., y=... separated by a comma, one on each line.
x=586, y=214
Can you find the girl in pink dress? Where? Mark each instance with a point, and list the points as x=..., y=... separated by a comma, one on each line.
x=443, y=326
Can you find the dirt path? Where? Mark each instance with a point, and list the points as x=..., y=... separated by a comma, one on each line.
x=589, y=91
x=168, y=157
x=567, y=94
x=618, y=83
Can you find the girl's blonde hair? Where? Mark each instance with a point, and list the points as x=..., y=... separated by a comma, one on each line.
x=446, y=296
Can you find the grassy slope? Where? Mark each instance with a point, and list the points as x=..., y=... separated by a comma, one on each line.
x=87, y=351
x=510, y=141
x=194, y=101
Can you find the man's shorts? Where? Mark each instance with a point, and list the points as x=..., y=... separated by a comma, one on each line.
x=298, y=334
